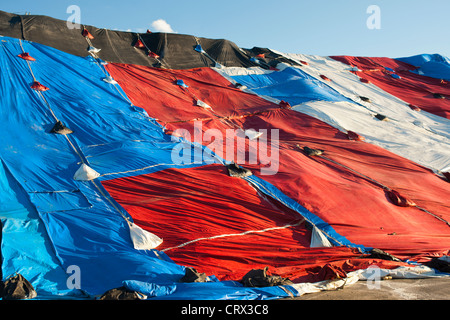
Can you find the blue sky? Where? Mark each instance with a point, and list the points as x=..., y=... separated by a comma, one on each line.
x=322, y=27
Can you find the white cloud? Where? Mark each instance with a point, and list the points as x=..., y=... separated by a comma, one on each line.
x=161, y=25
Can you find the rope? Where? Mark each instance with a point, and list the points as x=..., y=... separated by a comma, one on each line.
x=235, y=235
x=112, y=203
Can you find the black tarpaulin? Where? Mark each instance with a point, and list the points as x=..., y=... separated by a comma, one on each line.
x=176, y=51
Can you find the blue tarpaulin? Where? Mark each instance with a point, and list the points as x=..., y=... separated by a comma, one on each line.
x=54, y=224
x=291, y=85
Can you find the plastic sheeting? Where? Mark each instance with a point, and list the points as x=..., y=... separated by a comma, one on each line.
x=226, y=290
x=235, y=290
x=396, y=135
x=85, y=226
x=177, y=51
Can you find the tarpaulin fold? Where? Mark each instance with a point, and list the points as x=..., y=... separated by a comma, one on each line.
x=344, y=189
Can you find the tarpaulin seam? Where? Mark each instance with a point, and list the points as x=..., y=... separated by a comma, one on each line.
x=353, y=97
x=380, y=82
x=225, y=117
x=383, y=70
x=301, y=71
x=263, y=189
x=379, y=184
